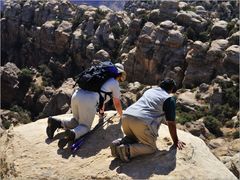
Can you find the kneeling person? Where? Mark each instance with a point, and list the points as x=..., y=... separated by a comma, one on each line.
x=141, y=121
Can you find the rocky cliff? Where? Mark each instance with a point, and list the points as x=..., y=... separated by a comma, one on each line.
x=26, y=153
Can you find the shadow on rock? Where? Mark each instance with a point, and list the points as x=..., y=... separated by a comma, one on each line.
x=99, y=140
x=56, y=137
x=93, y=144
x=143, y=167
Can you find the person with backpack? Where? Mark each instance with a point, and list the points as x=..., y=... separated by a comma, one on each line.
x=141, y=121
x=98, y=85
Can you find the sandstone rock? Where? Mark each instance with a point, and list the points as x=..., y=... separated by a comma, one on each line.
x=27, y=13
x=231, y=60
x=219, y=30
x=217, y=96
x=198, y=70
x=235, y=165
x=104, y=9
x=167, y=24
x=191, y=19
x=26, y=146
x=102, y=55
x=234, y=38
x=148, y=28
x=134, y=87
x=60, y=101
x=89, y=29
x=182, y=4
x=175, y=39
x=47, y=36
x=215, y=53
x=177, y=74
x=216, y=143
x=233, y=55
x=9, y=80
x=168, y=10
x=62, y=36
x=227, y=149
x=197, y=128
x=66, y=10
x=134, y=27
x=154, y=16
x=90, y=50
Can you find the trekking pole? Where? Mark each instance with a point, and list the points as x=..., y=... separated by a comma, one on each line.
x=82, y=139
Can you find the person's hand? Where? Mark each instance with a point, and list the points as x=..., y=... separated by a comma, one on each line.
x=180, y=144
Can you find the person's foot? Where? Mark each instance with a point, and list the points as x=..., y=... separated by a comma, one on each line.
x=68, y=137
x=113, y=147
x=53, y=124
x=123, y=152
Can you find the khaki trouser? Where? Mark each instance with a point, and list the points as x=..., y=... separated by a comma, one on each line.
x=84, y=107
x=139, y=131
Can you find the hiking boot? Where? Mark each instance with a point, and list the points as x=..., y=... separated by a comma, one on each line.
x=113, y=147
x=53, y=124
x=68, y=137
x=123, y=152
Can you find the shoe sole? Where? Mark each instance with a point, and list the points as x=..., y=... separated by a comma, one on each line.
x=63, y=142
x=48, y=130
x=123, y=157
x=113, y=148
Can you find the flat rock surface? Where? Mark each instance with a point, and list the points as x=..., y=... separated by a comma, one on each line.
x=26, y=153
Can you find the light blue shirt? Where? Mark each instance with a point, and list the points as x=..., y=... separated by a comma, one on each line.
x=150, y=106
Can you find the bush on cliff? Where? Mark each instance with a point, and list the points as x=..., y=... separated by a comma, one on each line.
x=213, y=125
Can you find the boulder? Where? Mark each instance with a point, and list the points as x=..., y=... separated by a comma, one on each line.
x=168, y=9
x=219, y=30
x=25, y=152
x=47, y=36
x=9, y=80
x=234, y=38
x=60, y=100
x=62, y=36
x=198, y=70
x=189, y=18
x=231, y=60
x=154, y=16
x=102, y=55
x=148, y=28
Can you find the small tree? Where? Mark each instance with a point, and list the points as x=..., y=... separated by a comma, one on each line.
x=213, y=125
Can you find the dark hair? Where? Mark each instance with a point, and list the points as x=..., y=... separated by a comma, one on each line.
x=168, y=85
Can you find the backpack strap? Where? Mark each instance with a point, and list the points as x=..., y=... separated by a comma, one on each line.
x=102, y=98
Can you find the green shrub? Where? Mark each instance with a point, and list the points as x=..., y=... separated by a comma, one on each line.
x=25, y=78
x=6, y=124
x=236, y=134
x=204, y=36
x=231, y=96
x=223, y=112
x=25, y=116
x=189, y=8
x=37, y=89
x=100, y=15
x=230, y=26
x=183, y=117
x=229, y=124
x=191, y=34
x=213, y=125
x=47, y=74
x=117, y=31
x=144, y=19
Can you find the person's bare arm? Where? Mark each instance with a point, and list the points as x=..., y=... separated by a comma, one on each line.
x=118, y=106
x=173, y=132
